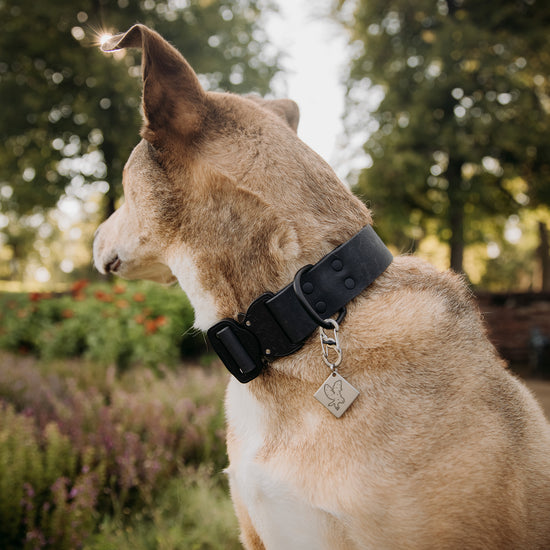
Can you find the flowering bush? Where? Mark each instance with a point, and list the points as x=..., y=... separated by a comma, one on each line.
x=47, y=492
x=193, y=512
x=81, y=442
x=93, y=443
x=122, y=324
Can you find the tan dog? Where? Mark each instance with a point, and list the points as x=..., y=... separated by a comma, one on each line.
x=442, y=449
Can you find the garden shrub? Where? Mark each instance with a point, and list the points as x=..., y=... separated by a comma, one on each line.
x=123, y=324
x=45, y=501
x=80, y=442
x=193, y=512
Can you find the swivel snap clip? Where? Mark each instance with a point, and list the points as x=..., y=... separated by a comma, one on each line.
x=330, y=345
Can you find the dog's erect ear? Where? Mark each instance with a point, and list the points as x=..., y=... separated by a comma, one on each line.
x=173, y=98
x=285, y=108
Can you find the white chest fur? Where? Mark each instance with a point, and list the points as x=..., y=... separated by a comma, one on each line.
x=204, y=304
x=279, y=511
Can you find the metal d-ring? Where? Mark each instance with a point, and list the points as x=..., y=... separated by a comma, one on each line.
x=325, y=323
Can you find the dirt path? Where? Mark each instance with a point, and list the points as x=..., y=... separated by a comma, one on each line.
x=541, y=388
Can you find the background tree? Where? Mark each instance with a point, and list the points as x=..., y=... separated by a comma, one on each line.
x=461, y=134
x=70, y=113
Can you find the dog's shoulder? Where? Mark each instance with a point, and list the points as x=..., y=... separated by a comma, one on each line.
x=415, y=275
x=413, y=294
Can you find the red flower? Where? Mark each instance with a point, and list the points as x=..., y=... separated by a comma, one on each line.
x=122, y=304
x=119, y=289
x=79, y=286
x=161, y=321
x=67, y=313
x=35, y=296
x=150, y=326
x=103, y=296
x=139, y=297
x=139, y=319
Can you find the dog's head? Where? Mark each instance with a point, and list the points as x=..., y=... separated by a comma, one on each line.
x=220, y=194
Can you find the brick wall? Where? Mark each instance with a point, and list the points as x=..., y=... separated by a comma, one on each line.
x=515, y=322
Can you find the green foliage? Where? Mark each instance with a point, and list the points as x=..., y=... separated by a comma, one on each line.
x=463, y=113
x=193, y=512
x=123, y=324
x=84, y=451
x=45, y=500
x=73, y=112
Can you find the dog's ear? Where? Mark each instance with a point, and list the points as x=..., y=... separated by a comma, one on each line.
x=173, y=98
x=285, y=108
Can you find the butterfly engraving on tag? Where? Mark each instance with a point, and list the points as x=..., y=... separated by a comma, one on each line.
x=334, y=394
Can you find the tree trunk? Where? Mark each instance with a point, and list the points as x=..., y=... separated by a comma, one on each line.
x=457, y=238
x=112, y=194
x=456, y=215
x=544, y=255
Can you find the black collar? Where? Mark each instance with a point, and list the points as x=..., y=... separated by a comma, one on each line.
x=277, y=325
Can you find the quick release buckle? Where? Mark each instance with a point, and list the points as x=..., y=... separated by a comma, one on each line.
x=238, y=348
x=246, y=348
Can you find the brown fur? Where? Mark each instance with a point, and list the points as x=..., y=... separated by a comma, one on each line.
x=443, y=448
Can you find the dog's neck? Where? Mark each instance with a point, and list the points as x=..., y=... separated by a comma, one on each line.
x=255, y=246
x=214, y=295
x=278, y=325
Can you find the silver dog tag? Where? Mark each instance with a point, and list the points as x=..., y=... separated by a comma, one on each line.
x=336, y=394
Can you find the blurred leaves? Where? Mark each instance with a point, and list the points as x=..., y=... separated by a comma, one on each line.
x=463, y=112
x=71, y=113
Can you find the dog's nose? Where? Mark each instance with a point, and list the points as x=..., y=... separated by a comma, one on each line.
x=112, y=265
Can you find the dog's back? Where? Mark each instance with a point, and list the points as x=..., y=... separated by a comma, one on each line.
x=442, y=448
x=464, y=447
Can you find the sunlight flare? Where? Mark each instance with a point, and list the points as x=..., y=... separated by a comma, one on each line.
x=104, y=38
